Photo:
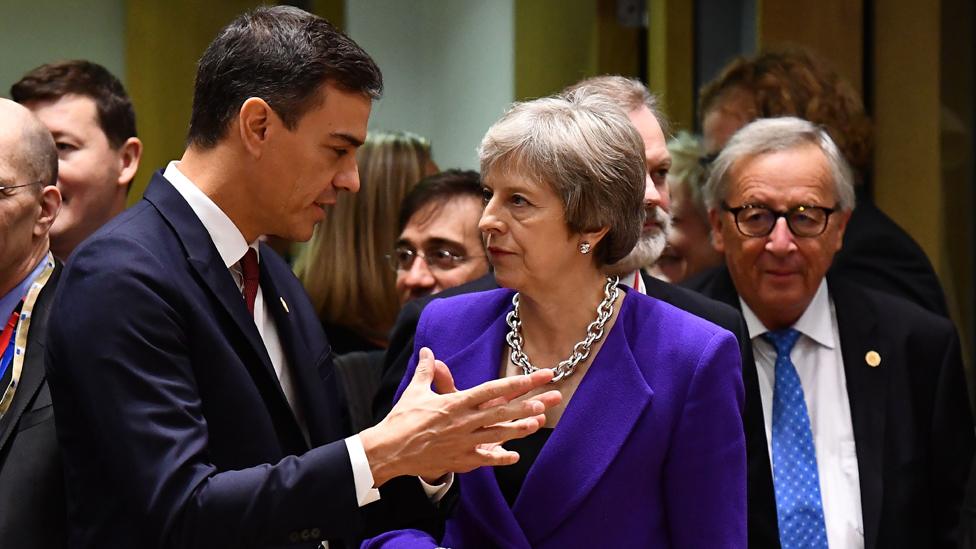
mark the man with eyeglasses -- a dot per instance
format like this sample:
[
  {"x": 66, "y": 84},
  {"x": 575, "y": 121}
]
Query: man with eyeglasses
[
  {"x": 32, "y": 505},
  {"x": 439, "y": 226},
  {"x": 863, "y": 394}
]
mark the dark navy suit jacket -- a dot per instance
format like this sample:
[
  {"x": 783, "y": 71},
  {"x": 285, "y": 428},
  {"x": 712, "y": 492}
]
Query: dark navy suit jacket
[
  {"x": 173, "y": 425},
  {"x": 650, "y": 451},
  {"x": 913, "y": 431}
]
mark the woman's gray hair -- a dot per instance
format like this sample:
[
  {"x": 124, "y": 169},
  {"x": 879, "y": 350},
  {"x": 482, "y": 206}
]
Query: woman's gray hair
[
  {"x": 768, "y": 135},
  {"x": 687, "y": 172},
  {"x": 587, "y": 150}
]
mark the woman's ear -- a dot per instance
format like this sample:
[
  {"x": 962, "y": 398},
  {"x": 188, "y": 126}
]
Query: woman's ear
[{"x": 593, "y": 237}]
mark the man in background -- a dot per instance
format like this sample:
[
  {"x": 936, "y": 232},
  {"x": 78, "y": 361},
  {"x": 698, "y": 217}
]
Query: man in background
[
  {"x": 439, "y": 246},
  {"x": 94, "y": 127},
  {"x": 877, "y": 253},
  {"x": 32, "y": 505},
  {"x": 863, "y": 394}
]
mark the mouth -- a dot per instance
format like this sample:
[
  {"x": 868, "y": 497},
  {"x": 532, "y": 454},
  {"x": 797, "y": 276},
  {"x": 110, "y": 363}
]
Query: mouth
[{"x": 497, "y": 252}]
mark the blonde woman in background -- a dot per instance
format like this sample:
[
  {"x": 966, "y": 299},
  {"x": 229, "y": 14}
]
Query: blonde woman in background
[
  {"x": 689, "y": 249},
  {"x": 345, "y": 274}
]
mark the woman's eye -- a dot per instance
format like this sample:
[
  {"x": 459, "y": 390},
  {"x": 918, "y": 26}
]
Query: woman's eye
[{"x": 519, "y": 200}]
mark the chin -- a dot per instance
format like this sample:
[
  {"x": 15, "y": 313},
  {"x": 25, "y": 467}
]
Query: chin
[{"x": 647, "y": 250}]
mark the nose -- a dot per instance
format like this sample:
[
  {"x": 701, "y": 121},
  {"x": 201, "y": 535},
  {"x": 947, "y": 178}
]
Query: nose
[
  {"x": 418, "y": 275},
  {"x": 780, "y": 241},
  {"x": 657, "y": 194},
  {"x": 489, "y": 221},
  {"x": 347, "y": 178}
]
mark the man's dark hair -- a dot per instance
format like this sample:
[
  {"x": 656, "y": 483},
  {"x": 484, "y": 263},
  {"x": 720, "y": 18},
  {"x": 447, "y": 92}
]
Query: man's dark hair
[
  {"x": 115, "y": 114},
  {"x": 441, "y": 187},
  {"x": 283, "y": 55}
]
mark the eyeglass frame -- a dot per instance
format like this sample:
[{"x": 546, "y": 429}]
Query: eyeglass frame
[
  {"x": 5, "y": 188},
  {"x": 777, "y": 214},
  {"x": 455, "y": 259}
]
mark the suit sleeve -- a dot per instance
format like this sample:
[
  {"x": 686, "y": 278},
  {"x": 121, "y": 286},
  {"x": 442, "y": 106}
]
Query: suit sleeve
[
  {"x": 953, "y": 443},
  {"x": 125, "y": 391},
  {"x": 705, "y": 472}
]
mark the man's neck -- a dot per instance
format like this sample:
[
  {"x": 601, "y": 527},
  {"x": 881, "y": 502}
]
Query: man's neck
[
  {"x": 13, "y": 277},
  {"x": 219, "y": 173}
]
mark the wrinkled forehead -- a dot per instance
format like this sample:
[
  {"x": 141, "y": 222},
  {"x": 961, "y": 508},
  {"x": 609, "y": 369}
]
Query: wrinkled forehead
[{"x": 800, "y": 167}]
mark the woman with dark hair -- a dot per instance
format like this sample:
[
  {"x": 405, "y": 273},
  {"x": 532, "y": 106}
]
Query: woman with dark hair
[{"x": 647, "y": 448}]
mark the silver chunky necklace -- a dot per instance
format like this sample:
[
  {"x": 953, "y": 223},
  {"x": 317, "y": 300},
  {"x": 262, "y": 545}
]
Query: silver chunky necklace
[{"x": 594, "y": 333}]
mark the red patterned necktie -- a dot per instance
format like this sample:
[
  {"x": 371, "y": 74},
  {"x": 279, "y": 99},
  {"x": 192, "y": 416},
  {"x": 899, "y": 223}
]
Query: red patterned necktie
[{"x": 249, "y": 270}]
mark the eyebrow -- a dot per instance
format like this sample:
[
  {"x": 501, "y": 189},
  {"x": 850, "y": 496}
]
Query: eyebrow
[{"x": 348, "y": 138}]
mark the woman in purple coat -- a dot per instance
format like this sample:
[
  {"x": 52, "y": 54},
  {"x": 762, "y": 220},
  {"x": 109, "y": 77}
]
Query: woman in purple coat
[{"x": 647, "y": 447}]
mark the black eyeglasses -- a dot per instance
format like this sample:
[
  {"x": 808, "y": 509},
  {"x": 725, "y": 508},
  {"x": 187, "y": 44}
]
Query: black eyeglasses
[
  {"x": 440, "y": 259},
  {"x": 758, "y": 220},
  {"x": 5, "y": 188}
]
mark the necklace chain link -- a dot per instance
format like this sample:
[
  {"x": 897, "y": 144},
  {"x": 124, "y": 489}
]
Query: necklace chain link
[{"x": 594, "y": 333}]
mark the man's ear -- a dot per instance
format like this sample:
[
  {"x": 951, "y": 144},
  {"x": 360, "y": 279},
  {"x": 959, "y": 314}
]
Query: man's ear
[
  {"x": 718, "y": 241},
  {"x": 842, "y": 218},
  {"x": 50, "y": 199},
  {"x": 253, "y": 122},
  {"x": 129, "y": 155}
]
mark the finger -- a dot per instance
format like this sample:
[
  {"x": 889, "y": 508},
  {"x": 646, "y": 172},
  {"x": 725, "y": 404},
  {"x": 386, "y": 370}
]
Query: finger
[
  {"x": 512, "y": 411},
  {"x": 424, "y": 373},
  {"x": 496, "y": 456},
  {"x": 549, "y": 399},
  {"x": 503, "y": 432},
  {"x": 443, "y": 380},
  {"x": 509, "y": 387}
]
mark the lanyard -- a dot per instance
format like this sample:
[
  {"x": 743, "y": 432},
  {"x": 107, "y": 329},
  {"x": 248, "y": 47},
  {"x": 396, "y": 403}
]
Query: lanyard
[{"x": 20, "y": 332}]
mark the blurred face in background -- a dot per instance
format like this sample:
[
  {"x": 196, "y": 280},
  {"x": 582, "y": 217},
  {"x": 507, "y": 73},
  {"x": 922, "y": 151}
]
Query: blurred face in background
[
  {"x": 689, "y": 249},
  {"x": 93, "y": 175},
  {"x": 446, "y": 234}
]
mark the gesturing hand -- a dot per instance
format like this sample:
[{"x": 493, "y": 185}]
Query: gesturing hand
[{"x": 429, "y": 434}]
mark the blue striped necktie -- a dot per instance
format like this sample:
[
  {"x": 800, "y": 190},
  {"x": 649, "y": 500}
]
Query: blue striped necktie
[{"x": 795, "y": 476}]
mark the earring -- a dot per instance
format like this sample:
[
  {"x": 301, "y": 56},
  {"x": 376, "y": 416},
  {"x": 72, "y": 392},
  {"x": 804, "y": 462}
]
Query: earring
[{"x": 584, "y": 248}]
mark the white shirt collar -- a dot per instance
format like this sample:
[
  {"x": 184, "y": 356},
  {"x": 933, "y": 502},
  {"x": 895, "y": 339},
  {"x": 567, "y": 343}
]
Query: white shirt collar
[
  {"x": 226, "y": 236},
  {"x": 634, "y": 280},
  {"x": 814, "y": 323}
]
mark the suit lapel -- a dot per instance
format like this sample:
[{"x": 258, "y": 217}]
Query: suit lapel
[
  {"x": 614, "y": 387},
  {"x": 202, "y": 255},
  {"x": 867, "y": 390},
  {"x": 477, "y": 363},
  {"x": 320, "y": 421},
  {"x": 33, "y": 374}
]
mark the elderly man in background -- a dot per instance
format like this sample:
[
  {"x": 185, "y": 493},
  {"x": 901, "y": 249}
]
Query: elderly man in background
[
  {"x": 32, "y": 506},
  {"x": 91, "y": 118},
  {"x": 877, "y": 252},
  {"x": 863, "y": 396}
]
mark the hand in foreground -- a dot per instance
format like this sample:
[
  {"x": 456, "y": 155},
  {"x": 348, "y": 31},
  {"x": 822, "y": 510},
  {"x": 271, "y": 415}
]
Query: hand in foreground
[{"x": 429, "y": 434}]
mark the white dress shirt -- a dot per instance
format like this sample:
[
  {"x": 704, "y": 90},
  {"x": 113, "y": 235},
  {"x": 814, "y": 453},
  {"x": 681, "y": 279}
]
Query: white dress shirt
[
  {"x": 231, "y": 246},
  {"x": 820, "y": 366}
]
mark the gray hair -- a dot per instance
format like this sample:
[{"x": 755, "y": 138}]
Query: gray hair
[
  {"x": 584, "y": 148},
  {"x": 687, "y": 171},
  {"x": 770, "y": 135},
  {"x": 628, "y": 93}
]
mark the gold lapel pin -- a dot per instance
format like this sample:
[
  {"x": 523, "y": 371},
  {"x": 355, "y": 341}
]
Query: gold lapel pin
[
  {"x": 285, "y": 305},
  {"x": 873, "y": 359}
]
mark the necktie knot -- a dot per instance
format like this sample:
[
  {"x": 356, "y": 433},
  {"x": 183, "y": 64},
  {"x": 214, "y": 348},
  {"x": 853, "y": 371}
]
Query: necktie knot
[
  {"x": 783, "y": 340},
  {"x": 250, "y": 273}
]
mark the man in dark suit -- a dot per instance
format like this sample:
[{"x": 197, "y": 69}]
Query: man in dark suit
[
  {"x": 194, "y": 395},
  {"x": 642, "y": 109},
  {"x": 32, "y": 510},
  {"x": 863, "y": 394},
  {"x": 877, "y": 253}
]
